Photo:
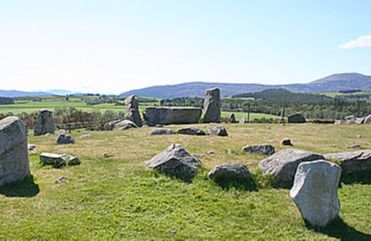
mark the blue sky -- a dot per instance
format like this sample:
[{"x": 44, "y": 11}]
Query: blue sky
[{"x": 113, "y": 46}]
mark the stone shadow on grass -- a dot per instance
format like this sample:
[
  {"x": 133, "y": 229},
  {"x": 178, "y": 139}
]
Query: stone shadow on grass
[
  {"x": 247, "y": 185},
  {"x": 362, "y": 177},
  {"x": 340, "y": 230},
  {"x": 25, "y": 188}
]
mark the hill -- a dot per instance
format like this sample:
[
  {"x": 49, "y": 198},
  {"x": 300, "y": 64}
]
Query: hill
[
  {"x": 17, "y": 93},
  {"x": 332, "y": 83}
]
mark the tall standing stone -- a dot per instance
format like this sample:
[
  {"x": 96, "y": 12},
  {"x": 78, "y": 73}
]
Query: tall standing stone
[
  {"x": 14, "y": 164},
  {"x": 212, "y": 106},
  {"x": 45, "y": 123},
  {"x": 315, "y": 192},
  {"x": 132, "y": 110}
]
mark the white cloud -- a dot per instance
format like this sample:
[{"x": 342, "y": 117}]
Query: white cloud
[{"x": 360, "y": 42}]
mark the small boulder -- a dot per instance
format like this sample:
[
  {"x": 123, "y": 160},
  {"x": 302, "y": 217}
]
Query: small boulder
[
  {"x": 60, "y": 180},
  {"x": 161, "y": 131},
  {"x": 31, "y": 147},
  {"x": 59, "y": 160},
  {"x": 352, "y": 161},
  {"x": 123, "y": 125},
  {"x": 259, "y": 149},
  {"x": 286, "y": 142},
  {"x": 315, "y": 192},
  {"x": 230, "y": 172},
  {"x": 296, "y": 118},
  {"x": 175, "y": 161},
  {"x": 218, "y": 131},
  {"x": 283, "y": 164},
  {"x": 64, "y": 139},
  {"x": 192, "y": 131}
]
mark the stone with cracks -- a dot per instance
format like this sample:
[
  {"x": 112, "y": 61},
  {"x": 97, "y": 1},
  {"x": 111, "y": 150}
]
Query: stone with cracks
[
  {"x": 259, "y": 149},
  {"x": 352, "y": 161},
  {"x": 14, "y": 163},
  {"x": 212, "y": 106},
  {"x": 132, "y": 110},
  {"x": 44, "y": 123},
  {"x": 315, "y": 192},
  {"x": 122, "y": 125},
  {"x": 175, "y": 161},
  {"x": 283, "y": 164},
  {"x": 59, "y": 160}
]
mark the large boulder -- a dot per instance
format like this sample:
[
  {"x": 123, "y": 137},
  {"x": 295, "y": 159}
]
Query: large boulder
[
  {"x": 132, "y": 110},
  {"x": 14, "y": 163},
  {"x": 218, "y": 131},
  {"x": 170, "y": 115},
  {"x": 64, "y": 139},
  {"x": 315, "y": 192},
  {"x": 296, "y": 118},
  {"x": 191, "y": 131},
  {"x": 44, "y": 123},
  {"x": 161, "y": 131},
  {"x": 352, "y": 161},
  {"x": 59, "y": 160},
  {"x": 212, "y": 106},
  {"x": 259, "y": 149},
  {"x": 175, "y": 161},
  {"x": 283, "y": 164},
  {"x": 230, "y": 172}
]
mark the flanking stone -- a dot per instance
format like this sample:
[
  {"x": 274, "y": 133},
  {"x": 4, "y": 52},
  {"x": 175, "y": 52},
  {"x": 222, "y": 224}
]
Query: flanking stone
[
  {"x": 283, "y": 164},
  {"x": 162, "y": 131},
  {"x": 212, "y": 106},
  {"x": 230, "y": 172},
  {"x": 218, "y": 131},
  {"x": 296, "y": 118},
  {"x": 132, "y": 110},
  {"x": 44, "y": 123},
  {"x": 191, "y": 131},
  {"x": 64, "y": 139},
  {"x": 175, "y": 161},
  {"x": 59, "y": 160},
  {"x": 171, "y": 115},
  {"x": 352, "y": 161},
  {"x": 14, "y": 163},
  {"x": 315, "y": 192},
  {"x": 259, "y": 149}
]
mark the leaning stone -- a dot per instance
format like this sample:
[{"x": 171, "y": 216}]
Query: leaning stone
[
  {"x": 191, "y": 131},
  {"x": 44, "y": 123},
  {"x": 14, "y": 163},
  {"x": 175, "y": 161},
  {"x": 230, "y": 172},
  {"x": 283, "y": 164},
  {"x": 64, "y": 139},
  {"x": 218, "y": 131},
  {"x": 161, "y": 131},
  {"x": 212, "y": 106},
  {"x": 59, "y": 160},
  {"x": 315, "y": 192},
  {"x": 259, "y": 149},
  {"x": 352, "y": 161}
]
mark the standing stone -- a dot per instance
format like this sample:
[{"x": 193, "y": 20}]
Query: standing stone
[
  {"x": 296, "y": 118},
  {"x": 212, "y": 106},
  {"x": 45, "y": 123},
  {"x": 315, "y": 192},
  {"x": 14, "y": 164},
  {"x": 232, "y": 119},
  {"x": 132, "y": 110}
]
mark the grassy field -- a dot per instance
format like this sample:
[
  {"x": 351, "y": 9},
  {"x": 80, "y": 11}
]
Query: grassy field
[{"x": 116, "y": 198}]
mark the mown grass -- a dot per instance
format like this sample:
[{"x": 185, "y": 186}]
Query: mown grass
[{"x": 116, "y": 198}]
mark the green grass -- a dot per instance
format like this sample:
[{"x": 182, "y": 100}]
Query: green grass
[{"x": 118, "y": 199}]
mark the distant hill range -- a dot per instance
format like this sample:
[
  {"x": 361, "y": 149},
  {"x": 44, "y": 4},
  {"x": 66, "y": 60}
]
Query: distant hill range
[
  {"x": 332, "y": 83},
  {"x": 18, "y": 93}
]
